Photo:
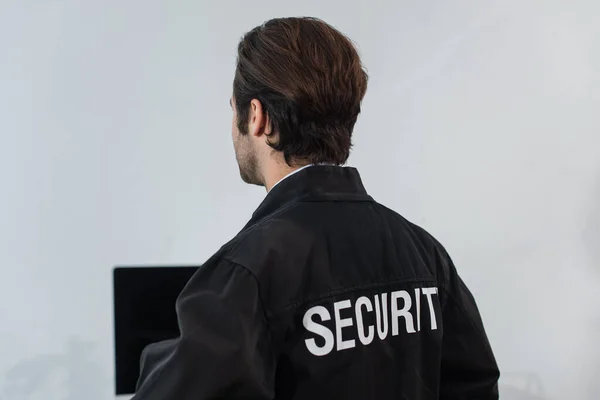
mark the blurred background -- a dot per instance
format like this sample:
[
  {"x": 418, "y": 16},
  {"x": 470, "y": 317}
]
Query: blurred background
[{"x": 480, "y": 124}]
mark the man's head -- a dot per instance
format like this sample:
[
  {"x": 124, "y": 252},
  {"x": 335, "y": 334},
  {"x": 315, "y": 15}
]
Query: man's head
[{"x": 297, "y": 92}]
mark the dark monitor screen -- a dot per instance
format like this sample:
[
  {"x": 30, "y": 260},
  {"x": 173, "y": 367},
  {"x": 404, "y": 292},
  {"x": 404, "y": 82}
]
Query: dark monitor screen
[{"x": 144, "y": 309}]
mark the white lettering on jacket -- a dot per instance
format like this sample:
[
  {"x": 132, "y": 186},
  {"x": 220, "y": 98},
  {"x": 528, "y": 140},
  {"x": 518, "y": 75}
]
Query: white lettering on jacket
[{"x": 349, "y": 320}]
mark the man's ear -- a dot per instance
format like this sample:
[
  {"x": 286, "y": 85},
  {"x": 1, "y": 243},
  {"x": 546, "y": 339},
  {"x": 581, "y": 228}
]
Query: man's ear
[{"x": 259, "y": 122}]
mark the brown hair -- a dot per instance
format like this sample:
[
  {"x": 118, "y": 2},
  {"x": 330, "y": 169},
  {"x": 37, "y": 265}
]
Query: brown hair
[{"x": 310, "y": 82}]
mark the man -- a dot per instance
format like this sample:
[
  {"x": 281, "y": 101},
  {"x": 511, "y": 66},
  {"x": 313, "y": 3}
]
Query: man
[{"x": 324, "y": 294}]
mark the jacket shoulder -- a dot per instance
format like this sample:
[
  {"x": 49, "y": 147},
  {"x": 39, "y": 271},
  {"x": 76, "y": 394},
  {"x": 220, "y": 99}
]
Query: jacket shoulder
[{"x": 270, "y": 239}]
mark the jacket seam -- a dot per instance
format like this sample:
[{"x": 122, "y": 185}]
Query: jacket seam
[
  {"x": 260, "y": 298},
  {"x": 262, "y": 221},
  {"x": 345, "y": 290}
]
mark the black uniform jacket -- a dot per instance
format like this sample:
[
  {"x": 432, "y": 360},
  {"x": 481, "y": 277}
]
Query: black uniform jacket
[{"x": 324, "y": 294}]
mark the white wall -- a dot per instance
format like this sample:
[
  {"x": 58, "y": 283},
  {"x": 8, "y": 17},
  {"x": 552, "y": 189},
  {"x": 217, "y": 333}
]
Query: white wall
[{"x": 115, "y": 149}]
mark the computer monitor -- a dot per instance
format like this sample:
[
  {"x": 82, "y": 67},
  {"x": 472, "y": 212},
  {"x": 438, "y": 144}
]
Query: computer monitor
[{"x": 144, "y": 313}]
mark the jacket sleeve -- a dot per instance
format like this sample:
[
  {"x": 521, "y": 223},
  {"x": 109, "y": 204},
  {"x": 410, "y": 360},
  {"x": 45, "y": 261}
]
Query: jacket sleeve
[
  {"x": 224, "y": 350},
  {"x": 468, "y": 366}
]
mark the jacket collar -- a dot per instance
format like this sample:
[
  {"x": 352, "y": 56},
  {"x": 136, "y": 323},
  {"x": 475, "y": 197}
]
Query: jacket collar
[{"x": 317, "y": 183}]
